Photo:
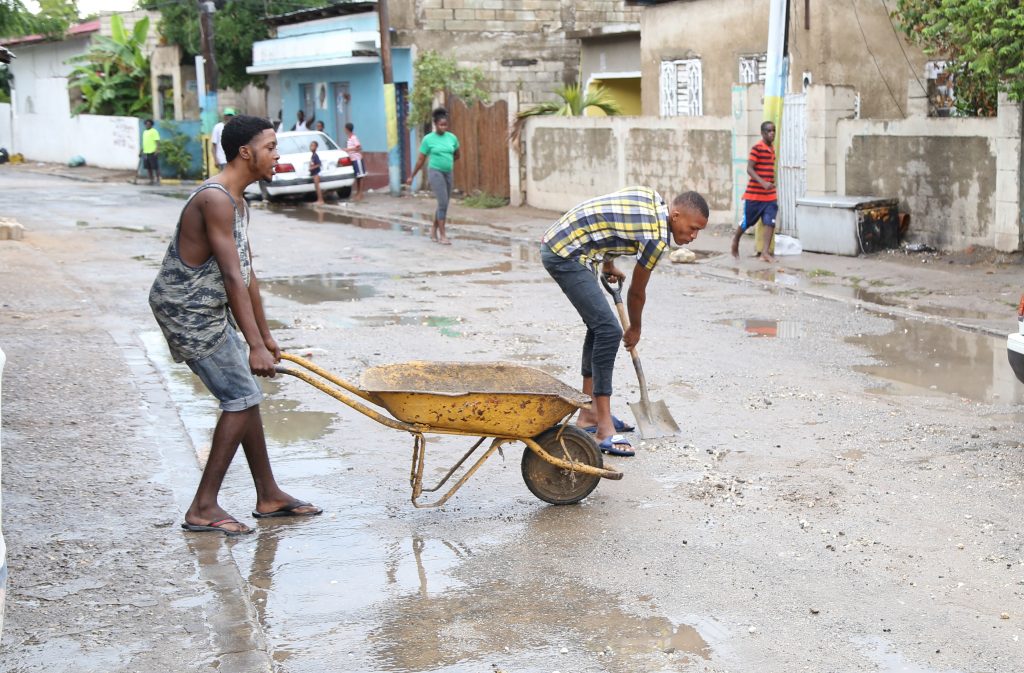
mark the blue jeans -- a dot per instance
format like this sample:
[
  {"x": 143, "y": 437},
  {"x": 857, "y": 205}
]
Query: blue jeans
[
  {"x": 226, "y": 374},
  {"x": 604, "y": 334}
]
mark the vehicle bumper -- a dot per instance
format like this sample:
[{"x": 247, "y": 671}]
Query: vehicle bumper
[{"x": 306, "y": 186}]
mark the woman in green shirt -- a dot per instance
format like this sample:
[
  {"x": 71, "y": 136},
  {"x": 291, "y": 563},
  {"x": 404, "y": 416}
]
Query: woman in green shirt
[{"x": 443, "y": 149}]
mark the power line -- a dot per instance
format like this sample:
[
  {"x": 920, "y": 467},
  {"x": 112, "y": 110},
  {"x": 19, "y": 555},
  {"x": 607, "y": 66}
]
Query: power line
[
  {"x": 853, "y": 3},
  {"x": 899, "y": 41}
]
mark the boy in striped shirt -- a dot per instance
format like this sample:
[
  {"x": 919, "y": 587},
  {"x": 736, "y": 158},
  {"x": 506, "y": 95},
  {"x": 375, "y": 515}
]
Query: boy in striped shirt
[
  {"x": 634, "y": 221},
  {"x": 760, "y": 199}
]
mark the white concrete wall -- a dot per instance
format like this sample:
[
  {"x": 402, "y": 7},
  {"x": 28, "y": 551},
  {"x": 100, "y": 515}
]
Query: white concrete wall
[
  {"x": 107, "y": 142},
  {"x": 41, "y": 126},
  {"x": 5, "y": 126}
]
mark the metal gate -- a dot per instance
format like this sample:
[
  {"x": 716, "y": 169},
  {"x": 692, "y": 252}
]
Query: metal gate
[
  {"x": 792, "y": 161},
  {"x": 483, "y": 146}
]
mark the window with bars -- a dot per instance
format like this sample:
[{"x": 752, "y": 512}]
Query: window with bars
[
  {"x": 753, "y": 68},
  {"x": 682, "y": 84}
]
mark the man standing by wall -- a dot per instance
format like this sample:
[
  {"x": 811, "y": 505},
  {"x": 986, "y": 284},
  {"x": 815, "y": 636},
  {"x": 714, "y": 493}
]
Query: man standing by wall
[
  {"x": 218, "y": 146},
  {"x": 761, "y": 202},
  {"x": 151, "y": 152}
]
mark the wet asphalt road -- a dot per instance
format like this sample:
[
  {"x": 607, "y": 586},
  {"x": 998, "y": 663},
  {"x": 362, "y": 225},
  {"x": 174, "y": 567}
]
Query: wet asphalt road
[{"x": 845, "y": 494}]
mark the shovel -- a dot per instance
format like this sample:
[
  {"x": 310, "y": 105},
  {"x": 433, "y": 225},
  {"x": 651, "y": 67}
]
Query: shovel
[{"x": 653, "y": 419}]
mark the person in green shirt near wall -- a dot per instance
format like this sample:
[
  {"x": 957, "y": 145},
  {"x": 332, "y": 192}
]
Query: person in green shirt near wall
[
  {"x": 151, "y": 152},
  {"x": 443, "y": 149}
]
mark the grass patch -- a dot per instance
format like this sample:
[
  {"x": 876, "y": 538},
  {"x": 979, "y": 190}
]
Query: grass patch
[
  {"x": 819, "y": 273},
  {"x": 484, "y": 200}
]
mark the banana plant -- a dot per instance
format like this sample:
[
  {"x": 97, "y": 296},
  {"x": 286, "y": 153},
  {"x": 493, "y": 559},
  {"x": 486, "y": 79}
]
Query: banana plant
[
  {"x": 113, "y": 76},
  {"x": 572, "y": 101}
]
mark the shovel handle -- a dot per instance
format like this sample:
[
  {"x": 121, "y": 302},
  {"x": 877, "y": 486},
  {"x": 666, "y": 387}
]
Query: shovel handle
[{"x": 614, "y": 287}]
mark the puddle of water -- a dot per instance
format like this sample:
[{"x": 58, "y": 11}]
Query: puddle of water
[
  {"x": 407, "y": 319},
  {"x": 919, "y": 357},
  {"x": 283, "y": 422},
  {"x": 785, "y": 329},
  {"x": 775, "y": 275},
  {"x": 472, "y": 626},
  {"x": 429, "y": 219},
  {"x": 501, "y": 267},
  {"x": 893, "y": 299},
  {"x": 317, "y": 289}
]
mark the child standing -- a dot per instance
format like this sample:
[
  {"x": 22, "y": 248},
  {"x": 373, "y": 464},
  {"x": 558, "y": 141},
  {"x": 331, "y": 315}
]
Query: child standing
[
  {"x": 314, "y": 171},
  {"x": 355, "y": 153}
]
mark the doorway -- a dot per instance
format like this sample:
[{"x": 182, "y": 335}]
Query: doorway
[{"x": 342, "y": 100}]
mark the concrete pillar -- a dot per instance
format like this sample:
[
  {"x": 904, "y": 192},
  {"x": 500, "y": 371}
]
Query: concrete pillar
[{"x": 1007, "y": 231}]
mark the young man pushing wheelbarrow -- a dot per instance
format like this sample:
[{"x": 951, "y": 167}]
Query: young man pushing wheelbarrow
[{"x": 634, "y": 221}]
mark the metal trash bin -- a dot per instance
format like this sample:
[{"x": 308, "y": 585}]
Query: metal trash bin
[{"x": 847, "y": 225}]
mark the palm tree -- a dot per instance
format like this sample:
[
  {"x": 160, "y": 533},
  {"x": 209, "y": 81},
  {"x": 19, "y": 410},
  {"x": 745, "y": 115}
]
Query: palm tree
[{"x": 572, "y": 101}]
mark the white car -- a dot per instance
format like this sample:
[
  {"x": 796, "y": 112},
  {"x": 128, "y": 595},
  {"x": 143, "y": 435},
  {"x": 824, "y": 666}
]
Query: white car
[{"x": 291, "y": 175}]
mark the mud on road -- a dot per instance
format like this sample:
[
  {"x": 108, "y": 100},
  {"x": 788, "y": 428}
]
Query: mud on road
[{"x": 845, "y": 495}]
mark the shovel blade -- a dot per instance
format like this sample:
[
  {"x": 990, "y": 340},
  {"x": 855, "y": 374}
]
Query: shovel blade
[{"x": 654, "y": 419}]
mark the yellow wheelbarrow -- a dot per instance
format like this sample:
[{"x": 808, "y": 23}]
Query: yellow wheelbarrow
[{"x": 501, "y": 401}]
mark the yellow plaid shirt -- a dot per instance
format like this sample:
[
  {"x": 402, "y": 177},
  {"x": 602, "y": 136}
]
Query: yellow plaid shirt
[{"x": 631, "y": 221}]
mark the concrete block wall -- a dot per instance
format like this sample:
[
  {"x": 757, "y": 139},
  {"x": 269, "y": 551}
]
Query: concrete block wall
[
  {"x": 571, "y": 159},
  {"x": 1009, "y": 222},
  {"x": 945, "y": 172},
  {"x": 826, "y": 106},
  {"x": 520, "y": 45}
]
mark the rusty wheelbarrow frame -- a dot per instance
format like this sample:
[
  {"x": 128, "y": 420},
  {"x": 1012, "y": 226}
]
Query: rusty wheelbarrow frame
[{"x": 540, "y": 421}]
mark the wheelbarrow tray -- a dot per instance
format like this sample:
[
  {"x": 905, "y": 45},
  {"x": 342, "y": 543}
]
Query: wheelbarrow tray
[{"x": 492, "y": 399}]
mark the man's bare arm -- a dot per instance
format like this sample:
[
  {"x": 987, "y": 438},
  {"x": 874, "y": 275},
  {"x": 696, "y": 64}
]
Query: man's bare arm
[
  {"x": 219, "y": 217},
  {"x": 636, "y": 297}
]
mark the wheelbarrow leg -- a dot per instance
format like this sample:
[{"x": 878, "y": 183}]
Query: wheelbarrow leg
[{"x": 419, "y": 458}]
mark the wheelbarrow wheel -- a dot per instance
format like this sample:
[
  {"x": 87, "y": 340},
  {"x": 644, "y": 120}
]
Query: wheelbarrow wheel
[{"x": 553, "y": 484}]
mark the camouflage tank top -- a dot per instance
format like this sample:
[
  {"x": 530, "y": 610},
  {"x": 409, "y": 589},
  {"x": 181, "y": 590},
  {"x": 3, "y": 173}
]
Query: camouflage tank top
[{"x": 190, "y": 303}]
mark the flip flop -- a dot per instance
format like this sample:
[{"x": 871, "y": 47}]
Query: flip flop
[
  {"x": 611, "y": 445},
  {"x": 617, "y": 423},
  {"x": 288, "y": 510},
  {"x": 217, "y": 527}
]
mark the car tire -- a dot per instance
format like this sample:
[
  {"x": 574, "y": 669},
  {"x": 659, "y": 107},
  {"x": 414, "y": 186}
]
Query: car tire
[{"x": 344, "y": 192}]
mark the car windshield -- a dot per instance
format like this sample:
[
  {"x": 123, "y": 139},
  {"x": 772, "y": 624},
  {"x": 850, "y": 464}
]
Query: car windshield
[{"x": 300, "y": 143}]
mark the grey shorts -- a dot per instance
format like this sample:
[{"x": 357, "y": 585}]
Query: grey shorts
[{"x": 225, "y": 373}]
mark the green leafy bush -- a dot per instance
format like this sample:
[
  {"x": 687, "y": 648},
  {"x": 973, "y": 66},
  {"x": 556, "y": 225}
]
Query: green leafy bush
[
  {"x": 981, "y": 39},
  {"x": 174, "y": 150},
  {"x": 433, "y": 74}
]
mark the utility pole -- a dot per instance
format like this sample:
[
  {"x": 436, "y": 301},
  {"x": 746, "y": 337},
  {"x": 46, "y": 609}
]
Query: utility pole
[
  {"x": 390, "y": 100},
  {"x": 208, "y": 100},
  {"x": 776, "y": 73}
]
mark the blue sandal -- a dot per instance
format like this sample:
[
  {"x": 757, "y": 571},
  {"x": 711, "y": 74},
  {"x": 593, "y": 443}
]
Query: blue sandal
[
  {"x": 617, "y": 423},
  {"x": 612, "y": 446}
]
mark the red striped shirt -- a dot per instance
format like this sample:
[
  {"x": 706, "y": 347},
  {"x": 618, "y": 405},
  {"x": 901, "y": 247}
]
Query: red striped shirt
[{"x": 763, "y": 156}]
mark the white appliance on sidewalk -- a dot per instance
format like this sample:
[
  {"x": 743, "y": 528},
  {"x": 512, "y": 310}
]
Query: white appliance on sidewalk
[{"x": 847, "y": 225}]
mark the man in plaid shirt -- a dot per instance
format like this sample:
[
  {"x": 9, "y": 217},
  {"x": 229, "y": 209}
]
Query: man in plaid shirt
[{"x": 634, "y": 221}]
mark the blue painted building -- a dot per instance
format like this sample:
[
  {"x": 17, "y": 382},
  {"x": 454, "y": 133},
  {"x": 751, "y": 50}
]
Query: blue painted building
[{"x": 326, "y": 62}]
